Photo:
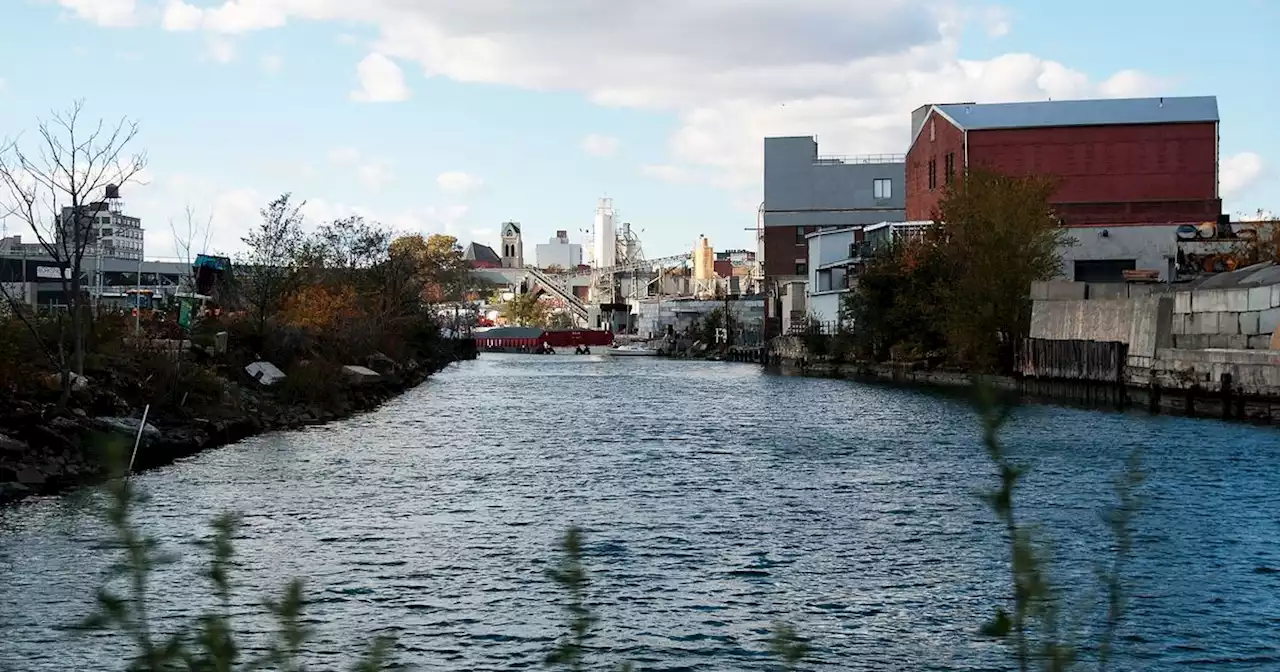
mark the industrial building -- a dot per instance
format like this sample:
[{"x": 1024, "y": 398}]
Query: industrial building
[
  {"x": 107, "y": 231},
  {"x": 1130, "y": 171},
  {"x": 558, "y": 253},
  {"x": 30, "y": 275},
  {"x": 806, "y": 192}
]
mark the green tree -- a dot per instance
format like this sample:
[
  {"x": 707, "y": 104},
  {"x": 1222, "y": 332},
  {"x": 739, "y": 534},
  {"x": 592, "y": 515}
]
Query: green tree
[
  {"x": 995, "y": 235},
  {"x": 525, "y": 310},
  {"x": 438, "y": 265},
  {"x": 963, "y": 286},
  {"x": 895, "y": 307},
  {"x": 560, "y": 319},
  {"x": 347, "y": 248},
  {"x": 269, "y": 271}
]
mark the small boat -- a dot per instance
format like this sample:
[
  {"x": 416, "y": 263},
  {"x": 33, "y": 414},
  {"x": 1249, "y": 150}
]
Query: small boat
[{"x": 630, "y": 351}]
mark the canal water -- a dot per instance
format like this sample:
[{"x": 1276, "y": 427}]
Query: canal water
[{"x": 716, "y": 499}]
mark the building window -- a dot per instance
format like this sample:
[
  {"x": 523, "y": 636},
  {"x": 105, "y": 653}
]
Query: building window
[
  {"x": 824, "y": 280},
  {"x": 950, "y": 166},
  {"x": 802, "y": 268},
  {"x": 882, "y": 188},
  {"x": 800, "y": 239},
  {"x": 933, "y": 173}
]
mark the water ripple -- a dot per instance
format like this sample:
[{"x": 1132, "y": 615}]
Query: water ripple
[{"x": 716, "y": 500}]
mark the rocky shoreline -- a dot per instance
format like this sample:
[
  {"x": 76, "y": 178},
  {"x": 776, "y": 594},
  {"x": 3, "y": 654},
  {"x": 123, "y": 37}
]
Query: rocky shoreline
[{"x": 47, "y": 449}]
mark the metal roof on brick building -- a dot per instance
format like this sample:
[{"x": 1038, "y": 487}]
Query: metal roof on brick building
[{"x": 1101, "y": 112}]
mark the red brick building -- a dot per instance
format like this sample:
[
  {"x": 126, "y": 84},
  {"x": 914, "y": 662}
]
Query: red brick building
[{"x": 1118, "y": 161}]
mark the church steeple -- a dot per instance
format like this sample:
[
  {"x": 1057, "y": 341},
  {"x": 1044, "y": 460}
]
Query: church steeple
[{"x": 512, "y": 246}]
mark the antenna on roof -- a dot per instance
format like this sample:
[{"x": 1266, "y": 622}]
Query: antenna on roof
[{"x": 1161, "y": 101}]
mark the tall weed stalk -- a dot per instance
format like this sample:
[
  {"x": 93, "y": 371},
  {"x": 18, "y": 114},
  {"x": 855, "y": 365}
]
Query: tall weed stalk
[
  {"x": 1033, "y": 623},
  {"x": 210, "y": 642}
]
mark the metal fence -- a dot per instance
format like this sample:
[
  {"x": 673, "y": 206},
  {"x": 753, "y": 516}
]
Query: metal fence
[
  {"x": 1098, "y": 361},
  {"x": 825, "y": 328}
]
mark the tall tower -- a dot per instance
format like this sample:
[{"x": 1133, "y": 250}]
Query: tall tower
[
  {"x": 604, "y": 239},
  {"x": 512, "y": 246}
]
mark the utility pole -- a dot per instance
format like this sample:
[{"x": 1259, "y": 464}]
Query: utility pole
[{"x": 137, "y": 300}]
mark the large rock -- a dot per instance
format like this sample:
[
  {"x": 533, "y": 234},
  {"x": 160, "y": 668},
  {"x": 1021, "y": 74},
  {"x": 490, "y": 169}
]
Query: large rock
[
  {"x": 360, "y": 375},
  {"x": 128, "y": 427},
  {"x": 382, "y": 363},
  {"x": 9, "y": 445},
  {"x": 30, "y": 476}
]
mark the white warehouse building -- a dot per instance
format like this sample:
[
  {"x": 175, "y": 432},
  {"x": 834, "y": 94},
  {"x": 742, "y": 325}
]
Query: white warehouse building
[{"x": 559, "y": 252}]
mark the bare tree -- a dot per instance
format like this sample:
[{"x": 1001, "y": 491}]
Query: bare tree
[
  {"x": 190, "y": 241},
  {"x": 57, "y": 188}
]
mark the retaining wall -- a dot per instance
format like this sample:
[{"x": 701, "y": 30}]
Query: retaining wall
[
  {"x": 1241, "y": 318},
  {"x": 1250, "y": 372},
  {"x": 1142, "y": 323}
]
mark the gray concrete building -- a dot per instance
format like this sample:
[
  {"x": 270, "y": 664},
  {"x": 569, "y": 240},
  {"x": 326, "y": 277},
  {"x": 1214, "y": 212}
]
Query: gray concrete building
[
  {"x": 1102, "y": 254},
  {"x": 805, "y": 192}
]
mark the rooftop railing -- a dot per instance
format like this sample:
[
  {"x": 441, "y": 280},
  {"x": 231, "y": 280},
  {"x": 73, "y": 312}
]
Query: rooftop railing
[{"x": 865, "y": 159}]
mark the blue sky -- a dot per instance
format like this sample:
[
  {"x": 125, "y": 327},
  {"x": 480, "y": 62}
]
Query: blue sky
[{"x": 438, "y": 115}]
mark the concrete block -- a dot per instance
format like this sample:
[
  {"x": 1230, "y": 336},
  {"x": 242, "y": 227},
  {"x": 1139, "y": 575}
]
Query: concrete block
[
  {"x": 1040, "y": 291},
  {"x": 1269, "y": 321},
  {"x": 1207, "y": 301},
  {"x": 360, "y": 374},
  {"x": 1275, "y": 296},
  {"x": 1249, "y": 323},
  {"x": 1229, "y": 323},
  {"x": 1259, "y": 298},
  {"x": 1229, "y": 341},
  {"x": 1065, "y": 290},
  {"x": 1182, "y": 302},
  {"x": 1237, "y": 300},
  {"x": 1262, "y": 342},
  {"x": 1190, "y": 341},
  {"x": 1178, "y": 325},
  {"x": 1137, "y": 290},
  {"x": 1202, "y": 323},
  {"x": 265, "y": 373},
  {"x": 1108, "y": 290}
]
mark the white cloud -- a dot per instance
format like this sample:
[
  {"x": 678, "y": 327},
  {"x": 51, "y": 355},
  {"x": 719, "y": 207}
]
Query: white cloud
[
  {"x": 458, "y": 182},
  {"x": 272, "y": 63},
  {"x": 111, "y": 13},
  {"x": 849, "y": 72},
  {"x": 372, "y": 172},
  {"x": 1238, "y": 172},
  {"x": 221, "y": 49},
  {"x": 600, "y": 145},
  {"x": 381, "y": 80},
  {"x": 997, "y": 21},
  {"x": 180, "y": 16}
]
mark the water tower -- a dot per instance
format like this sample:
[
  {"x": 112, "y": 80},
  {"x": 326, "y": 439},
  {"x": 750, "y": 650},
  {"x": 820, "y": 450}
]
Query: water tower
[{"x": 112, "y": 197}]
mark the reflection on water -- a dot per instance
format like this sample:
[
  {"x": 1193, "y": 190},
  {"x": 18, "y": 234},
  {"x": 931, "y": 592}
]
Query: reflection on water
[{"x": 716, "y": 499}]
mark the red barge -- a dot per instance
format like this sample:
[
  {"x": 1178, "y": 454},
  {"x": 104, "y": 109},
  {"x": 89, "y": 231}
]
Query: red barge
[{"x": 535, "y": 340}]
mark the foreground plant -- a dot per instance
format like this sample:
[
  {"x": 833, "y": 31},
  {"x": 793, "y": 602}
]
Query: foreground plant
[
  {"x": 210, "y": 643},
  {"x": 1035, "y": 627}
]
